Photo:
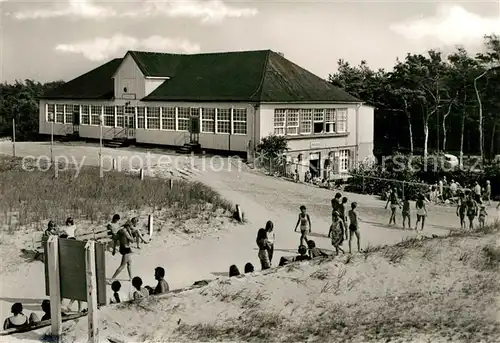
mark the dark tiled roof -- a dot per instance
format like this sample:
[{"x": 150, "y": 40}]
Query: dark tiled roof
[
  {"x": 234, "y": 76},
  {"x": 96, "y": 84},
  {"x": 255, "y": 76}
]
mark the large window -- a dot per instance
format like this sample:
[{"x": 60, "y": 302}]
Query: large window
[
  {"x": 223, "y": 120},
  {"x": 119, "y": 116},
  {"x": 109, "y": 116},
  {"x": 330, "y": 121},
  {"x": 168, "y": 118},
  {"x": 68, "y": 114},
  {"x": 240, "y": 121},
  {"x": 85, "y": 120},
  {"x": 305, "y": 121},
  {"x": 95, "y": 115},
  {"x": 279, "y": 121},
  {"x": 153, "y": 116},
  {"x": 341, "y": 120},
  {"x": 51, "y": 112},
  {"x": 208, "y": 120},
  {"x": 292, "y": 122},
  {"x": 140, "y": 117},
  {"x": 318, "y": 120},
  {"x": 183, "y": 115},
  {"x": 344, "y": 160},
  {"x": 60, "y": 114}
]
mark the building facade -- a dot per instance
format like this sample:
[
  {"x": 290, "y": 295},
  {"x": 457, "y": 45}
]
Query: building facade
[{"x": 236, "y": 99}]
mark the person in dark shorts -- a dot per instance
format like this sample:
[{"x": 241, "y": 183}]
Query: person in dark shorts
[
  {"x": 472, "y": 210},
  {"x": 353, "y": 226},
  {"x": 406, "y": 213},
  {"x": 123, "y": 237},
  {"x": 461, "y": 209},
  {"x": 421, "y": 211},
  {"x": 342, "y": 214},
  {"x": 305, "y": 224},
  {"x": 263, "y": 246}
]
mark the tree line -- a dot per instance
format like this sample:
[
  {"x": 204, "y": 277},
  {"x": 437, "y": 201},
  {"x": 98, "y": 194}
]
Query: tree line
[
  {"x": 19, "y": 101},
  {"x": 431, "y": 102}
]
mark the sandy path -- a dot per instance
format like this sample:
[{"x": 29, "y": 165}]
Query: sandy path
[{"x": 261, "y": 197}]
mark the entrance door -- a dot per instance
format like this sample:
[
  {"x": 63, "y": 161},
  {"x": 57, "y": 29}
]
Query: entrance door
[
  {"x": 130, "y": 126},
  {"x": 129, "y": 122},
  {"x": 194, "y": 126},
  {"x": 315, "y": 164}
]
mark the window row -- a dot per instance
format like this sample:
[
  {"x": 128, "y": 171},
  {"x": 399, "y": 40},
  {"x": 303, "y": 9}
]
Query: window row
[
  {"x": 310, "y": 121},
  {"x": 212, "y": 120}
]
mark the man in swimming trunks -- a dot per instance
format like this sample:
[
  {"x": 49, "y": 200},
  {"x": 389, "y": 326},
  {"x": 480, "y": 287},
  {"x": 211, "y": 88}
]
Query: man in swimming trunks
[
  {"x": 124, "y": 238},
  {"x": 353, "y": 226}
]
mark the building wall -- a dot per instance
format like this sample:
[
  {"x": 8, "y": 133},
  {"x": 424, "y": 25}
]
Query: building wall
[
  {"x": 151, "y": 85},
  {"x": 358, "y": 139},
  {"x": 366, "y": 132},
  {"x": 86, "y": 131},
  {"x": 216, "y": 141},
  {"x": 130, "y": 76}
]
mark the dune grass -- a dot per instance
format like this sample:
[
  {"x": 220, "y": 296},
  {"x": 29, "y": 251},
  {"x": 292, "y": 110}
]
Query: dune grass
[
  {"x": 33, "y": 197},
  {"x": 453, "y": 301}
]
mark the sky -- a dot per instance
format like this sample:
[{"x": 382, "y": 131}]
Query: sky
[{"x": 60, "y": 40}]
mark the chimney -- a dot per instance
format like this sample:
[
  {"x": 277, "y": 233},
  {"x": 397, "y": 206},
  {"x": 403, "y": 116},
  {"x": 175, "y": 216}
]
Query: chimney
[{"x": 281, "y": 54}]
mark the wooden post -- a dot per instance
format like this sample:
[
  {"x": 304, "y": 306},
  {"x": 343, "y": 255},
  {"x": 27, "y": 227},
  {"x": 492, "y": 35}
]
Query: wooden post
[
  {"x": 114, "y": 164},
  {"x": 403, "y": 190},
  {"x": 91, "y": 291},
  {"x": 13, "y": 137},
  {"x": 142, "y": 174},
  {"x": 171, "y": 183},
  {"x": 150, "y": 225},
  {"x": 54, "y": 286},
  {"x": 363, "y": 184}
]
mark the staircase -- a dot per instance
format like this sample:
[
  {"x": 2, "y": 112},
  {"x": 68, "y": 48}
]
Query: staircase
[
  {"x": 117, "y": 143},
  {"x": 188, "y": 148}
]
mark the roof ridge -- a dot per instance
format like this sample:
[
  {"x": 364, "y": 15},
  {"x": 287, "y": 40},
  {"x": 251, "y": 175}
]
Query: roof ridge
[
  {"x": 263, "y": 76},
  {"x": 197, "y": 54}
]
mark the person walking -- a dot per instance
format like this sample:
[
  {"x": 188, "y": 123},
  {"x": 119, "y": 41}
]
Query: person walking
[
  {"x": 263, "y": 245},
  {"x": 305, "y": 224},
  {"x": 421, "y": 211},
  {"x": 271, "y": 237},
  {"x": 337, "y": 233},
  {"x": 394, "y": 202}
]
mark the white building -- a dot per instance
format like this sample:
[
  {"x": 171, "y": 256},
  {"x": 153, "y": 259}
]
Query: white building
[{"x": 235, "y": 98}]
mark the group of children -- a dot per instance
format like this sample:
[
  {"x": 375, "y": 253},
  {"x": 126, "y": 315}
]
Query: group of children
[
  {"x": 139, "y": 291},
  {"x": 394, "y": 203}
]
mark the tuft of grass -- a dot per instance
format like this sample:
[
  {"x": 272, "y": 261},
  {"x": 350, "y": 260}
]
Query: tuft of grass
[
  {"x": 370, "y": 249},
  {"x": 491, "y": 256},
  {"x": 320, "y": 274},
  {"x": 410, "y": 242},
  {"x": 37, "y": 196},
  {"x": 395, "y": 254},
  {"x": 254, "y": 325}
]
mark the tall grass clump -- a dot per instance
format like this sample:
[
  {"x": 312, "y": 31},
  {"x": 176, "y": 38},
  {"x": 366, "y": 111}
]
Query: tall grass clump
[{"x": 34, "y": 196}]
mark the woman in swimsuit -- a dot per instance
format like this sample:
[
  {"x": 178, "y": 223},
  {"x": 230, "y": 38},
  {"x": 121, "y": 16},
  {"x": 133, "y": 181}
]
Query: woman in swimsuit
[
  {"x": 264, "y": 246},
  {"x": 69, "y": 230},
  {"x": 421, "y": 211},
  {"x": 305, "y": 223},
  {"x": 271, "y": 237},
  {"x": 18, "y": 319},
  {"x": 471, "y": 210},
  {"x": 394, "y": 201}
]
